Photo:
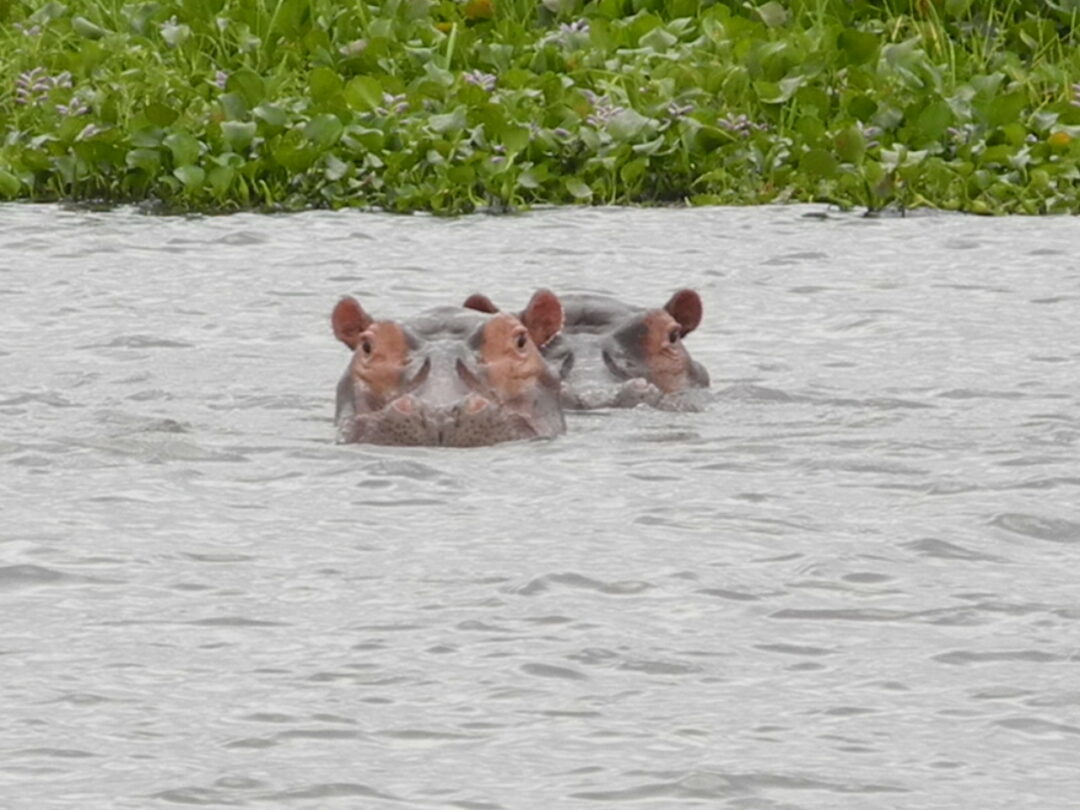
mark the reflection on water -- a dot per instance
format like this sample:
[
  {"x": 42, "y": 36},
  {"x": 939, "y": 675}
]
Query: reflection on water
[{"x": 850, "y": 581}]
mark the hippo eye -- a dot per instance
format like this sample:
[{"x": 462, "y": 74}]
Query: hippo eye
[
  {"x": 365, "y": 346},
  {"x": 673, "y": 335},
  {"x": 521, "y": 341}
]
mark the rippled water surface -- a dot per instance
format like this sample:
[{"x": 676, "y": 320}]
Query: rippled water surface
[{"x": 853, "y": 581}]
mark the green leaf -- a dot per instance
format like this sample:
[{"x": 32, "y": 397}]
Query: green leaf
[
  {"x": 934, "y": 120},
  {"x": 658, "y": 40},
  {"x": 159, "y": 114},
  {"x": 248, "y": 84},
  {"x": 220, "y": 178},
  {"x": 818, "y": 163},
  {"x": 859, "y": 46},
  {"x": 772, "y": 93},
  {"x": 238, "y": 134},
  {"x": 149, "y": 160},
  {"x": 626, "y": 124},
  {"x": 325, "y": 83},
  {"x": 773, "y": 14},
  {"x": 514, "y": 138},
  {"x": 273, "y": 115},
  {"x": 850, "y": 144},
  {"x": 184, "y": 147},
  {"x": 364, "y": 93},
  {"x": 448, "y": 122},
  {"x": 234, "y": 106},
  {"x": 9, "y": 184},
  {"x": 1005, "y": 108},
  {"x": 324, "y": 130},
  {"x": 578, "y": 189},
  {"x": 191, "y": 176},
  {"x": 336, "y": 168},
  {"x": 633, "y": 170},
  {"x": 84, "y": 28},
  {"x": 862, "y": 107}
]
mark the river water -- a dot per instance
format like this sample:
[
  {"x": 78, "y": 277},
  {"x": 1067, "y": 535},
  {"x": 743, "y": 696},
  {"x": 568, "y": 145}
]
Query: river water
[{"x": 852, "y": 581}]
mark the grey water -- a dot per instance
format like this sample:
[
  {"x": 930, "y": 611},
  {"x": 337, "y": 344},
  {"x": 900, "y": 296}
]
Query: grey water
[{"x": 852, "y": 581}]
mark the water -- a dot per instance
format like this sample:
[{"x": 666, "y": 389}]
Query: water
[{"x": 850, "y": 582}]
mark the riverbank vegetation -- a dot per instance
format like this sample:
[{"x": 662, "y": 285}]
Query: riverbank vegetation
[{"x": 456, "y": 105}]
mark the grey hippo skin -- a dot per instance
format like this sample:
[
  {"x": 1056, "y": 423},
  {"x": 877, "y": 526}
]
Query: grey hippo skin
[
  {"x": 613, "y": 354},
  {"x": 450, "y": 376}
]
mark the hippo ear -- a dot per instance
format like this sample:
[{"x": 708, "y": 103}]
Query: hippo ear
[
  {"x": 481, "y": 303},
  {"x": 543, "y": 317},
  {"x": 349, "y": 321},
  {"x": 685, "y": 307}
]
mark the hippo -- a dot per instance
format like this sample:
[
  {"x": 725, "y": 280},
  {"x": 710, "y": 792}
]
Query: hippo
[
  {"x": 450, "y": 376},
  {"x": 613, "y": 354}
]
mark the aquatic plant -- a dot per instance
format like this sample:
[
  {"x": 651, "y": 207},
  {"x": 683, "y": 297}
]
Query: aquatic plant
[{"x": 454, "y": 105}]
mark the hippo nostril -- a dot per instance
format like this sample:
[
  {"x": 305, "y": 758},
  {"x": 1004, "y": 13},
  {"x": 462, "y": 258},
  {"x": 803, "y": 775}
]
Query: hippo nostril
[
  {"x": 474, "y": 404},
  {"x": 405, "y": 404}
]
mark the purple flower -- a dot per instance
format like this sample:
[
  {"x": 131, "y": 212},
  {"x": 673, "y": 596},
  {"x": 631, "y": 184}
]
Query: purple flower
[
  {"x": 676, "y": 110},
  {"x": 75, "y": 107},
  {"x": 33, "y": 85},
  {"x": 89, "y": 131},
  {"x": 221, "y": 78},
  {"x": 741, "y": 125},
  {"x": 483, "y": 80},
  {"x": 604, "y": 109},
  {"x": 395, "y": 105}
]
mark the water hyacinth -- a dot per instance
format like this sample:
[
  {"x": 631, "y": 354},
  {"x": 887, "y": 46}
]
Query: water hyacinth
[
  {"x": 603, "y": 110},
  {"x": 741, "y": 125},
  {"x": 480, "y": 79},
  {"x": 393, "y": 104},
  {"x": 449, "y": 106},
  {"x": 34, "y": 85}
]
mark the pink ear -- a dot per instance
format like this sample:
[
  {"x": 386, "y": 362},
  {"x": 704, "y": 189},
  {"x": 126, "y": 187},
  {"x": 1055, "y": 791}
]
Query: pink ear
[
  {"x": 349, "y": 321},
  {"x": 481, "y": 303},
  {"x": 685, "y": 307},
  {"x": 543, "y": 317}
]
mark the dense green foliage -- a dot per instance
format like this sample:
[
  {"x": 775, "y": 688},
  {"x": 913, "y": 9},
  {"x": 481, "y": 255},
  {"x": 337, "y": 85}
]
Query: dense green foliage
[{"x": 452, "y": 105}]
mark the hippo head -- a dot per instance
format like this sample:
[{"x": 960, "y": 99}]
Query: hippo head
[
  {"x": 611, "y": 354},
  {"x": 649, "y": 345},
  {"x": 450, "y": 377}
]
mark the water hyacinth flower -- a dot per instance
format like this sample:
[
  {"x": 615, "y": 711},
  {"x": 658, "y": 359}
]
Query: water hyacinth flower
[
  {"x": 741, "y": 125},
  {"x": 89, "y": 131},
  {"x": 76, "y": 106},
  {"x": 961, "y": 134},
  {"x": 393, "y": 104},
  {"x": 677, "y": 110},
  {"x": 604, "y": 109},
  {"x": 175, "y": 33},
  {"x": 34, "y": 85},
  {"x": 27, "y": 31},
  {"x": 572, "y": 35},
  {"x": 354, "y": 48},
  {"x": 221, "y": 78},
  {"x": 485, "y": 81},
  {"x": 1075, "y": 95}
]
